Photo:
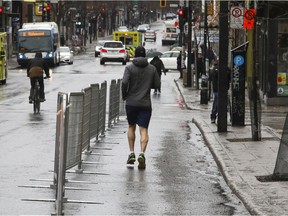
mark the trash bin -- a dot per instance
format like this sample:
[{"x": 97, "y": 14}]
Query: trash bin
[{"x": 204, "y": 90}]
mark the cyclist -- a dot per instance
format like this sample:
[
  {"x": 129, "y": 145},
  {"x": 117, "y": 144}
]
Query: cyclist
[{"x": 35, "y": 72}]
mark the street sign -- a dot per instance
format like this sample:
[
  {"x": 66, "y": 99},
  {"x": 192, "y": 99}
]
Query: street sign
[
  {"x": 173, "y": 5},
  {"x": 238, "y": 88},
  {"x": 236, "y": 17},
  {"x": 249, "y": 17}
]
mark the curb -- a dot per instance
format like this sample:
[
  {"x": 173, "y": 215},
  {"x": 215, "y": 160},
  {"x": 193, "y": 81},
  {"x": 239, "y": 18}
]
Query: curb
[
  {"x": 219, "y": 152},
  {"x": 215, "y": 149}
]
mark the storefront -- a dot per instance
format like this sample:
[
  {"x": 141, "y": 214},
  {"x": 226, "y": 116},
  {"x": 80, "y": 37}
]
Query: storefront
[{"x": 272, "y": 55}]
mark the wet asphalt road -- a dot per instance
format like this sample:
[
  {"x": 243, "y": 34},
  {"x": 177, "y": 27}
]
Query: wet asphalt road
[{"x": 181, "y": 175}]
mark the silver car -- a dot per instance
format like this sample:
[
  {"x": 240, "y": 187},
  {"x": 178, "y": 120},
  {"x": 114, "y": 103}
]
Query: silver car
[
  {"x": 113, "y": 51},
  {"x": 66, "y": 55}
]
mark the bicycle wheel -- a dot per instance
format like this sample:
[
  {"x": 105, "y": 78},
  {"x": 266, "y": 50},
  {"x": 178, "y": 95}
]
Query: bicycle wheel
[
  {"x": 36, "y": 99},
  {"x": 36, "y": 106}
]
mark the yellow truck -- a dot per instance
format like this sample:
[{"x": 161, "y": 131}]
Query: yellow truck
[
  {"x": 131, "y": 40},
  {"x": 3, "y": 57}
]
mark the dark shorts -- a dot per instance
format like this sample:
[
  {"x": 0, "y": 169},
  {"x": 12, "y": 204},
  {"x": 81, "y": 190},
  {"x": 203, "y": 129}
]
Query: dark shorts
[{"x": 138, "y": 115}]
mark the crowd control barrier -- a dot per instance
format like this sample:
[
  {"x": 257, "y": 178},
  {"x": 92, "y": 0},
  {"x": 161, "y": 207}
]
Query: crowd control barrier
[{"x": 81, "y": 116}]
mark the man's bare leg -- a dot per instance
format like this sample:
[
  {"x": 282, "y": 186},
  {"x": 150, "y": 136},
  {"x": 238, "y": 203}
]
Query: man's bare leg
[
  {"x": 131, "y": 141},
  {"x": 144, "y": 138},
  {"x": 131, "y": 137},
  {"x": 143, "y": 142}
]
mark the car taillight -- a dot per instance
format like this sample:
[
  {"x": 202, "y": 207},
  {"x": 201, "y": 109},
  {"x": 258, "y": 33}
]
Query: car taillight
[
  {"x": 122, "y": 51},
  {"x": 103, "y": 50}
]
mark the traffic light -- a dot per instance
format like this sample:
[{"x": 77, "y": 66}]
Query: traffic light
[
  {"x": 103, "y": 10},
  {"x": 78, "y": 24},
  {"x": 6, "y": 6},
  {"x": 43, "y": 13},
  {"x": 182, "y": 17},
  {"x": 162, "y": 3},
  {"x": 48, "y": 9},
  {"x": 1, "y": 10}
]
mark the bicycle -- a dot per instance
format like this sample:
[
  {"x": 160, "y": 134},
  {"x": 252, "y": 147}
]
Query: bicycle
[{"x": 36, "y": 97}]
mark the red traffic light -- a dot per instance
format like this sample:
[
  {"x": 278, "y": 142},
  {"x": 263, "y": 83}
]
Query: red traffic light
[
  {"x": 103, "y": 9},
  {"x": 1, "y": 9},
  {"x": 181, "y": 12},
  {"x": 48, "y": 7}
]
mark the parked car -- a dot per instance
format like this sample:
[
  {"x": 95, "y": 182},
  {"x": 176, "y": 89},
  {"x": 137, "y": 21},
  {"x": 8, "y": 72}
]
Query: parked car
[
  {"x": 98, "y": 47},
  {"x": 150, "y": 35},
  {"x": 169, "y": 59},
  {"x": 143, "y": 28},
  {"x": 66, "y": 55},
  {"x": 123, "y": 29},
  {"x": 113, "y": 51}
]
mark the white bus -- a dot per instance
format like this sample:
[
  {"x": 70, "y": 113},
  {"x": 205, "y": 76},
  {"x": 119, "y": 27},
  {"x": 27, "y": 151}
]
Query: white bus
[{"x": 38, "y": 37}]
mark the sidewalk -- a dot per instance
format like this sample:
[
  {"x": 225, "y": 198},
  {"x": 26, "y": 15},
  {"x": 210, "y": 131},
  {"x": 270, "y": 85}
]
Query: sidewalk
[{"x": 241, "y": 160}]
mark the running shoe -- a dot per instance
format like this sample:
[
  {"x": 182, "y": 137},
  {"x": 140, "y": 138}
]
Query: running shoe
[
  {"x": 131, "y": 158},
  {"x": 141, "y": 160}
]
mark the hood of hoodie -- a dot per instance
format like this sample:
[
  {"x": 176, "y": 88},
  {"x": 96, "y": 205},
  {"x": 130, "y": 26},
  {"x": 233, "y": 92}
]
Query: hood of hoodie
[{"x": 140, "y": 62}]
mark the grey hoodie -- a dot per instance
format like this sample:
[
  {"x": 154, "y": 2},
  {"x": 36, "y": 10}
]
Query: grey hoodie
[{"x": 138, "y": 79}]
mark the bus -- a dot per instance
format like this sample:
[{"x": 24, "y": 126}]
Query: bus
[{"x": 38, "y": 37}]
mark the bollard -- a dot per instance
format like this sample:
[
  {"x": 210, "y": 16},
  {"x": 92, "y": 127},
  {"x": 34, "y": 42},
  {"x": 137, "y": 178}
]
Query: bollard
[
  {"x": 204, "y": 90},
  {"x": 184, "y": 72}
]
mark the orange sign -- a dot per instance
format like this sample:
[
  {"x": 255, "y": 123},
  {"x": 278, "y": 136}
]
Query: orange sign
[
  {"x": 36, "y": 34},
  {"x": 249, "y": 18}
]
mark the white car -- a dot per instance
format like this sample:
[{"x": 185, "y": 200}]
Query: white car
[
  {"x": 98, "y": 47},
  {"x": 169, "y": 59},
  {"x": 113, "y": 51},
  {"x": 123, "y": 29},
  {"x": 143, "y": 28},
  {"x": 66, "y": 55}
]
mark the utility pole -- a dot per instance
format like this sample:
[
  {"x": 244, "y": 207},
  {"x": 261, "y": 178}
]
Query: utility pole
[
  {"x": 204, "y": 78},
  {"x": 189, "y": 71},
  {"x": 222, "y": 72}
]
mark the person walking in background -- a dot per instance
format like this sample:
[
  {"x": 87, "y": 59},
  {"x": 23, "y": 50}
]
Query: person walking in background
[
  {"x": 180, "y": 65},
  {"x": 199, "y": 65},
  {"x": 214, "y": 79},
  {"x": 138, "y": 80},
  {"x": 157, "y": 62}
]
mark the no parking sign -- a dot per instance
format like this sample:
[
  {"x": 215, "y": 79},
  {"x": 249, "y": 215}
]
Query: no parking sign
[{"x": 236, "y": 17}]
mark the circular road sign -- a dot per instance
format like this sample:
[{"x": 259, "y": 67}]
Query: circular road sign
[{"x": 237, "y": 12}]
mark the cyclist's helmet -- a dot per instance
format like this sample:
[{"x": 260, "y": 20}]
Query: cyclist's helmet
[{"x": 38, "y": 55}]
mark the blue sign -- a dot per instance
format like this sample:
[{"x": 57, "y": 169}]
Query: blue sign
[
  {"x": 238, "y": 60},
  {"x": 238, "y": 88}
]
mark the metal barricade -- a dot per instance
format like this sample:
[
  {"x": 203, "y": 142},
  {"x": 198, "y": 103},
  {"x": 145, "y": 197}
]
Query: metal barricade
[
  {"x": 102, "y": 109},
  {"x": 60, "y": 150},
  {"x": 86, "y": 118},
  {"x": 94, "y": 117},
  {"x": 80, "y": 118},
  {"x": 74, "y": 139},
  {"x": 114, "y": 99}
]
